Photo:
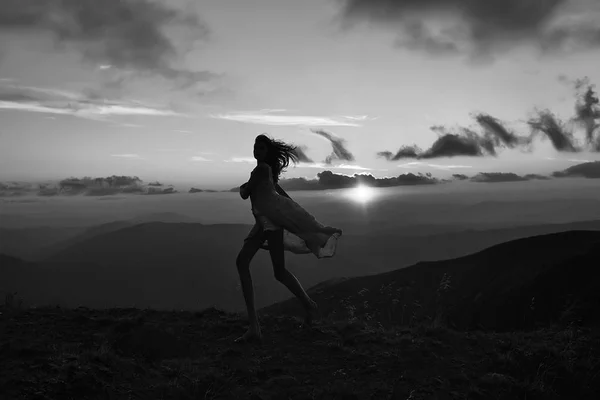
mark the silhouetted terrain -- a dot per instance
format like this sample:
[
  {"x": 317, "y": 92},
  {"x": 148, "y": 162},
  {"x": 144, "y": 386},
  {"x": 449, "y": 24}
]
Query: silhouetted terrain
[
  {"x": 464, "y": 328},
  {"x": 188, "y": 265},
  {"x": 525, "y": 283},
  {"x": 37, "y": 243}
]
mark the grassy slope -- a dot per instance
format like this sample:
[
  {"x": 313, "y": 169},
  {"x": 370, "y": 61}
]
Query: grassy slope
[
  {"x": 520, "y": 284},
  {"x": 355, "y": 351},
  {"x": 143, "y": 354}
]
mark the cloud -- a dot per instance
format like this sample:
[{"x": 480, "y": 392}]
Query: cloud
[
  {"x": 460, "y": 177},
  {"x": 62, "y": 102},
  {"x": 329, "y": 180},
  {"x": 587, "y": 111},
  {"x": 496, "y": 131},
  {"x": 585, "y": 170},
  {"x": 135, "y": 156},
  {"x": 550, "y": 126},
  {"x": 271, "y": 117},
  {"x": 404, "y": 152},
  {"x": 241, "y": 160},
  {"x": 497, "y": 177},
  {"x": 418, "y": 164},
  {"x": 124, "y": 34},
  {"x": 467, "y": 142},
  {"x": 338, "y": 166},
  {"x": 480, "y": 28},
  {"x": 587, "y": 116},
  {"x": 199, "y": 158},
  {"x": 131, "y": 125},
  {"x": 87, "y": 186},
  {"x": 577, "y": 160},
  {"x": 340, "y": 152}
]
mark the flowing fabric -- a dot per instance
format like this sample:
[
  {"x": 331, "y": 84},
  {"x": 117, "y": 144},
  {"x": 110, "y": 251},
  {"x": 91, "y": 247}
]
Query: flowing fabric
[{"x": 302, "y": 234}]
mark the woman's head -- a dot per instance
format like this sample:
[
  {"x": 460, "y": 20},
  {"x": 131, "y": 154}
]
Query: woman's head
[{"x": 275, "y": 153}]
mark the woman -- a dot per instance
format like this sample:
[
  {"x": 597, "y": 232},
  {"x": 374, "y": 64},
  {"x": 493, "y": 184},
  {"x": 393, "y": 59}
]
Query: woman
[{"x": 281, "y": 224}]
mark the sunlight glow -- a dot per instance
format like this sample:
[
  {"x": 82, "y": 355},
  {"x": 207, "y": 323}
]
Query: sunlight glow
[{"x": 362, "y": 194}]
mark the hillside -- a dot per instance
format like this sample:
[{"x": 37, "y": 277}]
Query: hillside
[
  {"x": 362, "y": 347},
  {"x": 521, "y": 284},
  {"x": 39, "y": 243}
]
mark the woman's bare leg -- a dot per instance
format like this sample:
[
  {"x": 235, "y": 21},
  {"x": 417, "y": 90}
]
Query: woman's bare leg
[
  {"x": 286, "y": 277},
  {"x": 243, "y": 266}
]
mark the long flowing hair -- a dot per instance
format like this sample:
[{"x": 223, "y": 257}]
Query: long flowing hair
[{"x": 279, "y": 154}]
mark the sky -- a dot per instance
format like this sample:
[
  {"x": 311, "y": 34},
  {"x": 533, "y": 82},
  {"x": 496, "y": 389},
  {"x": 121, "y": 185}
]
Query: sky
[{"x": 177, "y": 90}]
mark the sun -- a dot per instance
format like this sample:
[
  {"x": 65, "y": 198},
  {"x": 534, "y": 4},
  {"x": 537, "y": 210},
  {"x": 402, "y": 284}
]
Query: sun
[{"x": 362, "y": 194}]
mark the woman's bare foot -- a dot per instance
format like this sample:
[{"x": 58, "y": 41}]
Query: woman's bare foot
[{"x": 251, "y": 335}]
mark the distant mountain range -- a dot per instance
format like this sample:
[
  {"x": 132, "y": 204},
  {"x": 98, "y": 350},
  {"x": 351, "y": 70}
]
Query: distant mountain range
[{"x": 190, "y": 265}]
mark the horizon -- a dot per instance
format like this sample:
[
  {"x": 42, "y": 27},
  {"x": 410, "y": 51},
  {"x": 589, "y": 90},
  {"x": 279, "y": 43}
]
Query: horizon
[
  {"x": 442, "y": 219},
  {"x": 185, "y": 106}
]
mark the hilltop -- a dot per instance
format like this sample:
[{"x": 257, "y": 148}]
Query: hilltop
[
  {"x": 522, "y": 284},
  {"x": 444, "y": 345}
]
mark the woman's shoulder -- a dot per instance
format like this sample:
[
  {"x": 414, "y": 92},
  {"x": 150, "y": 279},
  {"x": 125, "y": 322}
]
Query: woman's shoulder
[{"x": 262, "y": 168}]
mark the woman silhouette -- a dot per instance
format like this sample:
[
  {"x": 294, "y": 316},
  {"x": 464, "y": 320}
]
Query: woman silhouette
[{"x": 281, "y": 224}]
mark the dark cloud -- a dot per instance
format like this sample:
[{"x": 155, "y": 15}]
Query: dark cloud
[
  {"x": 460, "y": 177},
  {"x": 126, "y": 34},
  {"x": 585, "y": 170},
  {"x": 587, "y": 111},
  {"x": 496, "y": 131},
  {"x": 418, "y": 37},
  {"x": 497, "y": 177},
  {"x": 468, "y": 143},
  {"x": 88, "y": 186},
  {"x": 477, "y": 27},
  {"x": 547, "y": 124},
  {"x": 196, "y": 190},
  {"x": 404, "y": 152},
  {"x": 331, "y": 180},
  {"x": 340, "y": 152}
]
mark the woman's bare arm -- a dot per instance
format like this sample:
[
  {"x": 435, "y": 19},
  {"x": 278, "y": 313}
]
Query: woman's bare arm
[{"x": 243, "y": 193}]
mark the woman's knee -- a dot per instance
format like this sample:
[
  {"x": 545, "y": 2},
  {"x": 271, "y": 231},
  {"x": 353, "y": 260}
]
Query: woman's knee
[{"x": 241, "y": 262}]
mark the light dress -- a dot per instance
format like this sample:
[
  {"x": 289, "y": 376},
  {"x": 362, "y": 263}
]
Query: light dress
[{"x": 302, "y": 234}]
